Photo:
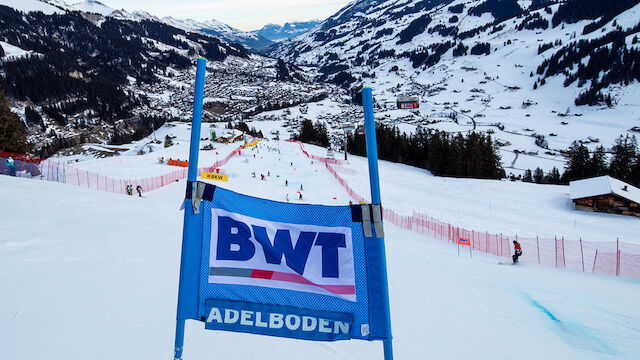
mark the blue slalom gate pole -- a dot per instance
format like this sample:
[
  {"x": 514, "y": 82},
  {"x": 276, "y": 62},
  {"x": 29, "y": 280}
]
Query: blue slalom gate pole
[
  {"x": 374, "y": 180},
  {"x": 187, "y": 296}
]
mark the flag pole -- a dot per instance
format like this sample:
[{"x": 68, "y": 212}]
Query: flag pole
[
  {"x": 374, "y": 180},
  {"x": 186, "y": 300}
]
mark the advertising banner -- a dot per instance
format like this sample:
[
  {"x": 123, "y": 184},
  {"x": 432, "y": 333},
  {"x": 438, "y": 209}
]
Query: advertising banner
[{"x": 281, "y": 269}]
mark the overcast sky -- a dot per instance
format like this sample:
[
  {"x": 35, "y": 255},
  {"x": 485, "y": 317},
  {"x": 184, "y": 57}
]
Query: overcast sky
[{"x": 241, "y": 14}]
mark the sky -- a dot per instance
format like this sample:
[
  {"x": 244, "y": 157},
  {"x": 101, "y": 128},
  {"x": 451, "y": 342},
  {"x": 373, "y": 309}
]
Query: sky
[{"x": 244, "y": 15}]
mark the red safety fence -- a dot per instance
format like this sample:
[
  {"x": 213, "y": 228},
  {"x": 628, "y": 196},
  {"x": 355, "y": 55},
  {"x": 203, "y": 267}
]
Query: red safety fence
[
  {"x": 345, "y": 170},
  {"x": 21, "y": 157},
  {"x": 610, "y": 258},
  {"x": 50, "y": 170},
  {"x": 314, "y": 157}
]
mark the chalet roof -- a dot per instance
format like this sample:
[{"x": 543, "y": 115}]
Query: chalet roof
[
  {"x": 603, "y": 185},
  {"x": 408, "y": 99}
]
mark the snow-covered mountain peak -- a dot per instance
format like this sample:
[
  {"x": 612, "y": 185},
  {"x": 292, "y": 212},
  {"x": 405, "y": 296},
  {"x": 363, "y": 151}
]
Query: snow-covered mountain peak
[{"x": 93, "y": 6}]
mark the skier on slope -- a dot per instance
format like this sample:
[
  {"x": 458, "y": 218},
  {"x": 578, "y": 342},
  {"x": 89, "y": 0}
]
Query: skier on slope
[
  {"x": 129, "y": 189},
  {"x": 518, "y": 251},
  {"x": 139, "y": 190}
]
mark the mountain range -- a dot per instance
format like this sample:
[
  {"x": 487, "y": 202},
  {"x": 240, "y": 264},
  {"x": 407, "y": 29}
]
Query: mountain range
[
  {"x": 275, "y": 32},
  {"x": 537, "y": 74},
  {"x": 412, "y": 37},
  {"x": 257, "y": 40}
]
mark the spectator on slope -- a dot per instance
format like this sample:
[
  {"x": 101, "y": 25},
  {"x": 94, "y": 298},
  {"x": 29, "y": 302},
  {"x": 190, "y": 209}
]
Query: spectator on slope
[
  {"x": 129, "y": 189},
  {"x": 139, "y": 190},
  {"x": 518, "y": 251},
  {"x": 11, "y": 166}
]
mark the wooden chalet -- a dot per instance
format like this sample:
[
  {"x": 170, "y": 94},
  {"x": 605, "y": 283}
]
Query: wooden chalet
[
  {"x": 606, "y": 194},
  {"x": 230, "y": 137}
]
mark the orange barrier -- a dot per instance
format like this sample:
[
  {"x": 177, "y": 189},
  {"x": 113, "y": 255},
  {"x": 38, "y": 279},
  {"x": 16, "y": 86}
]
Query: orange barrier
[{"x": 178, "y": 163}]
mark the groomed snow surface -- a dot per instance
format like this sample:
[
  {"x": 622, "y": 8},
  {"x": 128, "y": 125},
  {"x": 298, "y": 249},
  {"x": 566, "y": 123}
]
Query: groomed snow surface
[{"x": 93, "y": 275}]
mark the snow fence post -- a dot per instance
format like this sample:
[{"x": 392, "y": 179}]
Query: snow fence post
[
  {"x": 374, "y": 180},
  {"x": 617, "y": 256},
  {"x": 190, "y": 227},
  {"x": 581, "y": 254}
]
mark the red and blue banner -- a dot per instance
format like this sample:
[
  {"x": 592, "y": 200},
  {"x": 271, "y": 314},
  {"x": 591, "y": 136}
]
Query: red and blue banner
[
  {"x": 282, "y": 269},
  {"x": 463, "y": 241}
]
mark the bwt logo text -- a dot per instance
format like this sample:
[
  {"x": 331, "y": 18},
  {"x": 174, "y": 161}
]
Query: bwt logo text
[
  {"x": 250, "y": 251},
  {"x": 234, "y": 243}
]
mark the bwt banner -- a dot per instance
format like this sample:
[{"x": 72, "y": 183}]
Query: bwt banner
[{"x": 282, "y": 269}]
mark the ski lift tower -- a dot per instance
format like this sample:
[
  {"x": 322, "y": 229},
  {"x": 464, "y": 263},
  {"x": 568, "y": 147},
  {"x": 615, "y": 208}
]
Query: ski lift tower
[{"x": 348, "y": 129}]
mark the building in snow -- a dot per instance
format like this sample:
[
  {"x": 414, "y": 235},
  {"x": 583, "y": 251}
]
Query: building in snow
[
  {"x": 408, "y": 102},
  {"x": 606, "y": 194},
  {"x": 231, "y": 137}
]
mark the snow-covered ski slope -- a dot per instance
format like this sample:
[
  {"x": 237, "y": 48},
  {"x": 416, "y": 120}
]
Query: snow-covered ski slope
[{"x": 93, "y": 275}]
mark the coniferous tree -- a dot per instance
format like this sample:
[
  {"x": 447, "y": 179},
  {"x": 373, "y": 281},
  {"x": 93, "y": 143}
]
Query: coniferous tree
[
  {"x": 527, "y": 177},
  {"x": 597, "y": 164},
  {"x": 634, "y": 176},
  {"x": 624, "y": 156},
  {"x": 553, "y": 177},
  {"x": 313, "y": 133},
  {"x": 12, "y": 132},
  {"x": 474, "y": 155},
  {"x": 577, "y": 165},
  {"x": 32, "y": 117},
  {"x": 538, "y": 176}
]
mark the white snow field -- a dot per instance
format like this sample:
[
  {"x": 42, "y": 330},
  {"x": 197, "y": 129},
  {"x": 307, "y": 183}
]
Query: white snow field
[{"x": 93, "y": 275}]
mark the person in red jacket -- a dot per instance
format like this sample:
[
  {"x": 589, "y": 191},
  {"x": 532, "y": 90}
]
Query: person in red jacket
[{"x": 518, "y": 251}]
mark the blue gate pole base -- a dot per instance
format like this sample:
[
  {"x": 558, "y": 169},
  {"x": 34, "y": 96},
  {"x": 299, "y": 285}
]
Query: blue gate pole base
[
  {"x": 388, "y": 350},
  {"x": 177, "y": 352}
]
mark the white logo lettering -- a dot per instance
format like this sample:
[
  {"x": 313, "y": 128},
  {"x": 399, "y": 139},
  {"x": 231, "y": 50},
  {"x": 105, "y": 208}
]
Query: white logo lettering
[
  {"x": 214, "y": 314},
  {"x": 259, "y": 322},
  {"x": 231, "y": 316},
  {"x": 292, "y": 322},
  {"x": 309, "y": 323},
  {"x": 245, "y": 317},
  {"x": 324, "y": 326},
  {"x": 275, "y": 320}
]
